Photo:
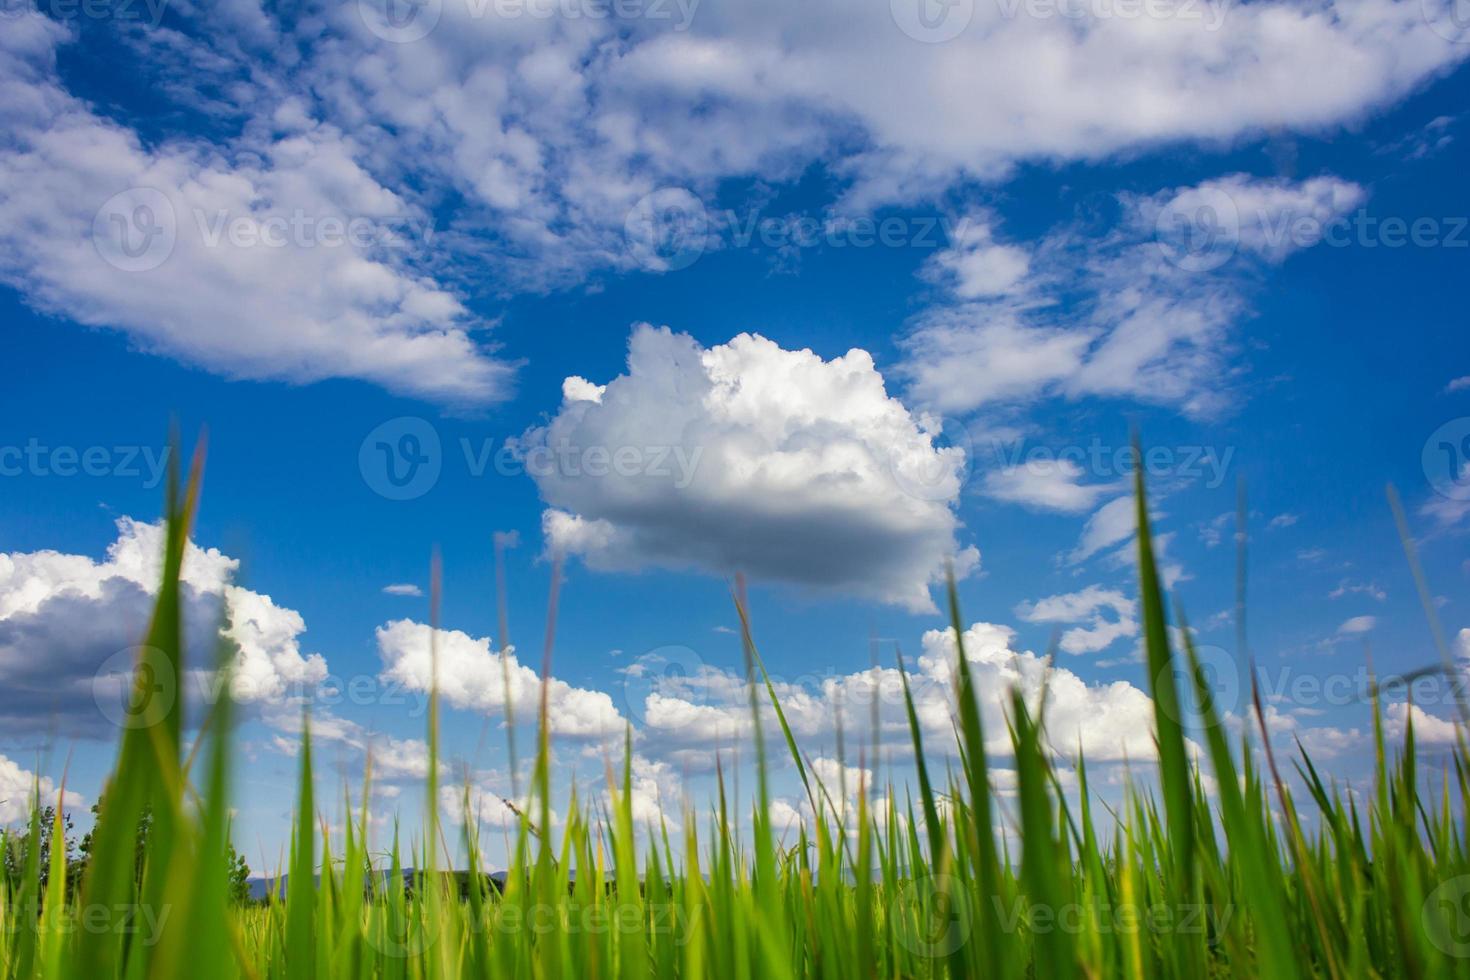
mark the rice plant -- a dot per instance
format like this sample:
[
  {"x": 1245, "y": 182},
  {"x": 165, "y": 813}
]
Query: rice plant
[{"x": 1215, "y": 867}]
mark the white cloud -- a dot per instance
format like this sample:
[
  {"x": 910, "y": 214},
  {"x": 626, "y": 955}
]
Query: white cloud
[
  {"x": 547, "y": 130},
  {"x": 1086, "y": 606},
  {"x": 1320, "y": 741},
  {"x": 1106, "y": 721},
  {"x": 576, "y": 389},
  {"x": 278, "y": 256},
  {"x": 963, "y": 357},
  {"x": 841, "y": 780},
  {"x": 471, "y": 676},
  {"x": 745, "y": 456},
  {"x": 1171, "y": 572},
  {"x": 1113, "y": 522},
  {"x": 1356, "y": 625},
  {"x": 1211, "y": 531},
  {"x": 403, "y": 589},
  {"x": 392, "y": 758},
  {"x": 656, "y": 794},
  {"x": 975, "y": 266},
  {"x": 1283, "y": 520},
  {"x": 1109, "y": 721},
  {"x": 489, "y": 803},
  {"x": 1150, "y": 301},
  {"x": 89, "y": 615},
  {"x": 1268, "y": 218},
  {"x": 1428, "y": 729},
  {"x": 1045, "y": 485},
  {"x": 1347, "y": 588},
  {"x": 1448, "y": 511},
  {"x": 556, "y": 126},
  {"x": 1432, "y": 137},
  {"x": 18, "y": 788},
  {"x": 655, "y": 797}
]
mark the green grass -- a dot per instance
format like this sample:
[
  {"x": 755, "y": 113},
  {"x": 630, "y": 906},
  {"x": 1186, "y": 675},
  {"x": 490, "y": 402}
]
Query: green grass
[{"x": 1242, "y": 879}]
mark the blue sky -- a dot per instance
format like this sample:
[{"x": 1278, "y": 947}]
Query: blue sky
[{"x": 909, "y": 320}]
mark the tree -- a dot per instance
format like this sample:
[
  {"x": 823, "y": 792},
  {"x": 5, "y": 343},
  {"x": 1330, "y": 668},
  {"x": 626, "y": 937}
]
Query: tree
[
  {"x": 238, "y": 869},
  {"x": 140, "y": 849},
  {"x": 18, "y": 845},
  {"x": 239, "y": 877}
]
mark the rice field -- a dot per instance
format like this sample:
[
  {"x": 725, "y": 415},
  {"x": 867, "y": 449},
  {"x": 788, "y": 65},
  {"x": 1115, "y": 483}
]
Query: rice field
[{"x": 1233, "y": 861}]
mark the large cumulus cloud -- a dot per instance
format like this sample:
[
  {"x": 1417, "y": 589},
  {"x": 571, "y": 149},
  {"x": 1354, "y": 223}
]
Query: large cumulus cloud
[
  {"x": 70, "y": 626},
  {"x": 749, "y": 457}
]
